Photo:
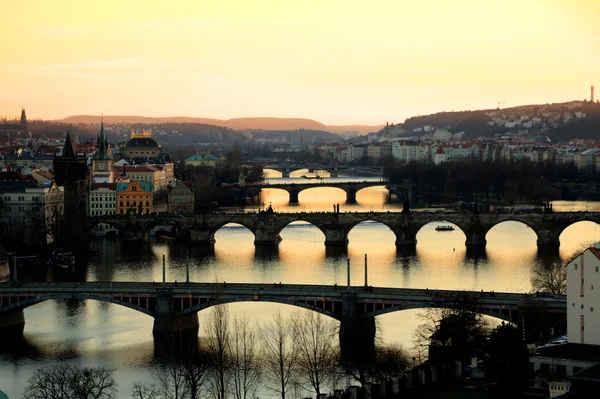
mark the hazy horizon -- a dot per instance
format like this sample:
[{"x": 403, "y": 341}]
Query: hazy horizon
[{"x": 339, "y": 63}]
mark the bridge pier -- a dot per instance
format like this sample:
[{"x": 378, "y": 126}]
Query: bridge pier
[
  {"x": 406, "y": 247},
  {"x": 173, "y": 330},
  {"x": 132, "y": 234},
  {"x": 334, "y": 173},
  {"x": 294, "y": 196},
  {"x": 357, "y": 333},
  {"x": 201, "y": 235},
  {"x": 475, "y": 242},
  {"x": 12, "y": 323},
  {"x": 351, "y": 196},
  {"x": 285, "y": 173},
  {"x": 335, "y": 236}
]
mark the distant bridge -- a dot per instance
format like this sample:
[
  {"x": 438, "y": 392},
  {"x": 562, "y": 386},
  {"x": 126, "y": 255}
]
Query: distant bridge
[
  {"x": 351, "y": 188},
  {"x": 175, "y": 306},
  {"x": 334, "y": 170},
  {"x": 266, "y": 227}
]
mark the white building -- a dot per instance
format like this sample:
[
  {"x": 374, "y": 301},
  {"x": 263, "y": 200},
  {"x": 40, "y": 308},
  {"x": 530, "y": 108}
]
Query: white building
[
  {"x": 30, "y": 212},
  {"x": 408, "y": 151},
  {"x": 583, "y": 297},
  {"x": 102, "y": 199}
]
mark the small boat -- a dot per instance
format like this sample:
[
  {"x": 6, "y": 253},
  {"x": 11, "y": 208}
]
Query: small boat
[
  {"x": 61, "y": 258},
  {"x": 444, "y": 228},
  {"x": 4, "y": 268},
  {"x": 166, "y": 237}
]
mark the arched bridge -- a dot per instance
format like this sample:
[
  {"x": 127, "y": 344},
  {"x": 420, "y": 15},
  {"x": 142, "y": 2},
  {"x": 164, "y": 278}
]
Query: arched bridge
[
  {"x": 351, "y": 188},
  {"x": 334, "y": 170},
  {"x": 175, "y": 306},
  {"x": 266, "y": 226}
]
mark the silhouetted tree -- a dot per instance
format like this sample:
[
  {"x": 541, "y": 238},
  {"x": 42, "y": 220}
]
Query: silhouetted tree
[
  {"x": 279, "y": 354},
  {"x": 67, "y": 382}
]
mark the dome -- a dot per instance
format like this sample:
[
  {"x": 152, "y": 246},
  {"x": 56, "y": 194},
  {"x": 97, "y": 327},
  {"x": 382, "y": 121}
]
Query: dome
[{"x": 141, "y": 142}]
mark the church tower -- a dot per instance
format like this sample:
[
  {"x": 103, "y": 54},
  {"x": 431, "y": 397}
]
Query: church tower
[
  {"x": 102, "y": 164},
  {"x": 23, "y": 118}
]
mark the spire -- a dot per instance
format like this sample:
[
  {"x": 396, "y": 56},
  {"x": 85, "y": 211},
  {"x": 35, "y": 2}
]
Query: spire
[
  {"x": 102, "y": 144},
  {"x": 23, "y": 117},
  {"x": 68, "y": 150}
]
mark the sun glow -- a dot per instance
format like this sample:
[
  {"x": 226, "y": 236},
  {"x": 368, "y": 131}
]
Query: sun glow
[{"x": 335, "y": 61}]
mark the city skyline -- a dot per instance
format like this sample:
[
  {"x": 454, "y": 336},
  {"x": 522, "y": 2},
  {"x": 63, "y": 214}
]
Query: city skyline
[{"x": 338, "y": 62}]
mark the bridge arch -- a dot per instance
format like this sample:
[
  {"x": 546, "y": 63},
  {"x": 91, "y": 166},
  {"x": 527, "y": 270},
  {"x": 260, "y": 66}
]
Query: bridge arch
[
  {"x": 369, "y": 221},
  {"x": 521, "y": 221},
  {"x": 305, "y": 305},
  {"x": 425, "y": 305},
  {"x": 333, "y": 191},
  {"x": 34, "y": 300},
  {"x": 305, "y": 220},
  {"x": 105, "y": 229},
  {"x": 574, "y": 231},
  {"x": 219, "y": 226}
]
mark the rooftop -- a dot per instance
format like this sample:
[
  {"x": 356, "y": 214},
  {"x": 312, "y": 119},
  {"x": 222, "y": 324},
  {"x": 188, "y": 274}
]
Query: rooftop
[{"x": 570, "y": 351}]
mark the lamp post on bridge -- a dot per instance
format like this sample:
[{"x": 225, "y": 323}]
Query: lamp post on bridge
[
  {"x": 164, "y": 271},
  {"x": 348, "y": 272},
  {"x": 366, "y": 267}
]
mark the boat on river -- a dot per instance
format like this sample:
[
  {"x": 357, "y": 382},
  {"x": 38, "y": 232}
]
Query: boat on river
[
  {"x": 444, "y": 228},
  {"x": 61, "y": 258}
]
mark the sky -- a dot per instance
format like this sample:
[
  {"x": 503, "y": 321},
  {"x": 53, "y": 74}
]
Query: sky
[{"x": 338, "y": 62}]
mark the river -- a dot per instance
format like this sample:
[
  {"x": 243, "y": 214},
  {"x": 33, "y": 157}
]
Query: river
[{"x": 92, "y": 334}]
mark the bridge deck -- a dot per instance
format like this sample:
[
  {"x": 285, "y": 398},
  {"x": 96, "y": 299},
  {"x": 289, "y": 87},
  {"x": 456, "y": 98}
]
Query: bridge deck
[{"x": 297, "y": 291}]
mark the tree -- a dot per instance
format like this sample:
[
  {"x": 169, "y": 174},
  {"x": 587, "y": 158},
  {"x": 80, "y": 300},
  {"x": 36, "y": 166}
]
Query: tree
[
  {"x": 176, "y": 378},
  {"x": 279, "y": 354},
  {"x": 552, "y": 278},
  {"x": 218, "y": 339},
  {"x": 506, "y": 359},
  {"x": 245, "y": 364},
  {"x": 315, "y": 339},
  {"x": 67, "y": 382}
]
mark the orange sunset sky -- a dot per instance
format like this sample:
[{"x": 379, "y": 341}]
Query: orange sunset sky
[{"x": 339, "y": 62}]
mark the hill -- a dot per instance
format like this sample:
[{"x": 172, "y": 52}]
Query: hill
[
  {"x": 557, "y": 121},
  {"x": 235, "y": 123}
]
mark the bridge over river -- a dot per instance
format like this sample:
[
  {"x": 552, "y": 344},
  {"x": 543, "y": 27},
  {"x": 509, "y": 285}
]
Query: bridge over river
[
  {"x": 287, "y": 167},
  {"x": 266, "y": 226},
  {"x": 174, "y": 307},
  {"x": 351, "y": 188}
]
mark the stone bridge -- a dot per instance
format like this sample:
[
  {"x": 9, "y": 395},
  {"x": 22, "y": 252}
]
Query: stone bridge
[
  {"x": 351, "y": 188},
  {"x": 266, "y": 227},
  {"x": 174, "y": 307},
  {"x": 334, "y": 170}
]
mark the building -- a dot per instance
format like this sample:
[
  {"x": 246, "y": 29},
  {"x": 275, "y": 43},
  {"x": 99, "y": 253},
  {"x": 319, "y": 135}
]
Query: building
[
  {"x": 8, "y": 129},
  {"x": 439, "y": 157},
  {"x": 71, "y": 172},
  {"x": 407, "y": 151},
  {"x": 181, "y": 198},
  {"x": 102, "y": 163},
  {"x": 141, "y": 145},
  {"x": 150, "y": 174},
  {"x": 102, "y": 199},
  {"x": 134, "y": 197},
  {"x": 583, "y": 297},
  {"x": 30, "y": 213},
  {"x": 202, "y": 159}
]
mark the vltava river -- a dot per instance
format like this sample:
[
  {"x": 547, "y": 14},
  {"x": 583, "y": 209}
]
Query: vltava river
[{"x": 92, "y": 334}]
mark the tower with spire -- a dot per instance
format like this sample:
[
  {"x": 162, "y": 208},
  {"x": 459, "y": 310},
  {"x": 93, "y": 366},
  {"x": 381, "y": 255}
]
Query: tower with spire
[{"x": 102, "y": 164}]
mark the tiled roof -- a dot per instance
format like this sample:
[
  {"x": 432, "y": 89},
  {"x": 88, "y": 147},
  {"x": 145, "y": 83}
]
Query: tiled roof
[{"x": 122, "y": 186}]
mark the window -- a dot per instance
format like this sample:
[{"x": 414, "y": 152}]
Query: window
[
  {"x": 575, "y": 266},
  {"x": 591, "y": 309},
  {"x": 121, "y": 203},
  {"x": 147, "y": 203},
  {"x": 596, "y": 269}
]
